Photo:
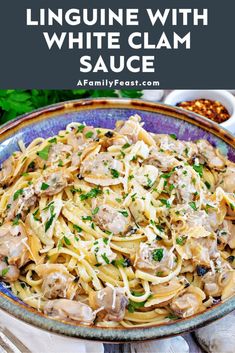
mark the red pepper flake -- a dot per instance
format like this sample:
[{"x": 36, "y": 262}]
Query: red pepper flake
[{"x": 212, "y": 110}]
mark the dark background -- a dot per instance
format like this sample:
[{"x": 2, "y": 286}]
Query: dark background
[{"x": 26, "y": 62}]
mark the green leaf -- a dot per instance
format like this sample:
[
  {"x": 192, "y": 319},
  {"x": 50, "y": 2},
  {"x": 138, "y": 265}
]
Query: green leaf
[
  {"x": 53, "y": 140},
  {"x": 165, "y": 202},
  {"x": 124, "y": 213},
  {"x": 132, "y": 306},
  {"x": 49, "y": 222},
  {"x": 15, "y": 221},
  {"x": 173, "y": 136},
  {"x": 4, "y": 271},
  {"x": 157, "y": 254},
  {"x": 115, "y": 173},
  {"x": 131, "y": 93},
  {"x": 77, "y": 228},
  {"x": 127, "y": 145},
  {"x": 44, "y": 186},
  {"x": 95, "y": 211},
  {"x": 81, "y": 128},
  {"x": 105, "y": 258},
  {"x": 181, "y": 240},
  {"x": 86, "y": 218},
  {"x": 89, "y": 134},
  {"x": 67, "y": 241},
  {"x": 44, "y": 153},
  {"x": 199, "y": 169},
  {"x": 91, "y": 194},
  {"x": 17, "y": 194},
  {"x": 193, "y": 205}
]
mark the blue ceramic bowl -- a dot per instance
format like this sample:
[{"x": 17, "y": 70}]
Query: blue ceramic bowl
[{"x": 105, "y": 112}]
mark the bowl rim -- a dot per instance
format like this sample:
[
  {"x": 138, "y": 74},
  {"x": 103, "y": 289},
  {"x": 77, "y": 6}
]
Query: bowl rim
[{"x": 114, "y": 335}]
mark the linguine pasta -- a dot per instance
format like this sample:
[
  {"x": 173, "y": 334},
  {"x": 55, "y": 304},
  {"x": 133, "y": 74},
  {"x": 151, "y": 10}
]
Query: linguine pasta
[{"x": 118, "y": 227}]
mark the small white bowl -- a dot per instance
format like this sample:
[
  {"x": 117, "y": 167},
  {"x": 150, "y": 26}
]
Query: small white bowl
[{"x": 224, "y": 97}]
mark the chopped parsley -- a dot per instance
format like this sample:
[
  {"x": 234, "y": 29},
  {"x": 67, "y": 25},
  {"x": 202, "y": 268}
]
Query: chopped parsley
[
  {"x": 60, "y": 164},
  {"x": 157, "y": 254},
  {"x": 198, "y": 168},
  {"x": 124, "y": 213},
  {"x": 44, "y": 153},
  {"x": 35, "y": 214},
  {"x": 86, "y": 218},
  {"x": 172, "y": 317},
  {"x": 208, "y": 185},
  {"x": 173, "y": 136},
  {"x": 50, "y": 221},
  {"x": 95, "y": 211},
  {"x": 193, "y": 205},
  {"x": 91, "y": 194},
  {"x": 17, "y": 194},
  {"x": 167, "y": 175},
  {"x": 181, "y": 240},
  {"x": 106, "y": 240},
  {"x": 44, "y": 186},
  {"x": 4, "y": 271},
  {"x": 165, "y": 202},
  {"x": 53, "y": 140},
  {"x": 66, "y": 240},
  {"x": 80, "y": 128},
  {"x": 232, "y": 206},
  {"x": 77, "y": 228},
  {"x": 89, "y": 134},
  {"x": 126, "y": 146},
  {"x": 132, "y": 306},
  {"x": 105, "y": 258},
  {"x": 115, "y": 173},
  {"x": 15, "y": 221},
  {"x": 122, "y": 262}
]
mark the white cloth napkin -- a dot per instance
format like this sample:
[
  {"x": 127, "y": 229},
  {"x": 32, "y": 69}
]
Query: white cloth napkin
[{"x": 39, "y": 341}]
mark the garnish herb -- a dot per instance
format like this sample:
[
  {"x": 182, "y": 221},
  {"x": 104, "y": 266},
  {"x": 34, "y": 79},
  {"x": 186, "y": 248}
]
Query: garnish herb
[
  {"x": 115, "y": 173},
  {"x": 126, "y": 146},
  {"x": 89, "y": 134},
  {"x": 124, "y": 213},
  {"x": 105, "y": 258},
  {"x": 15, "y": 221},
  {"x": 44, "y": 153},
  {"x": 132, "y": 306},
  {"x": 44, "y": 186},
  {"x": 157, "y": 254},
  {"x": 165, "y": 202},
  {"x": 193, "y": 205},
  {"x": 81, "y": 128},
  {"x": 198, "y": 168},
  {"x": 181, "y": 240},
  {"x": 86, "y": 218},
  {"x": 17, "y": 194},
  {"x": 77, "y": 228},
  {"x": 4, "y": 271},
  {"x": 53, "y": 140},
  {"x": 66, "y": 240},
  {"x": 91, "y": 194},
  {"x": 173, "y": 136},
  {"x": 95, "y": 211}
]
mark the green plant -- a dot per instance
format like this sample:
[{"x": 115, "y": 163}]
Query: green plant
[{"x": 17, "y": 102}]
